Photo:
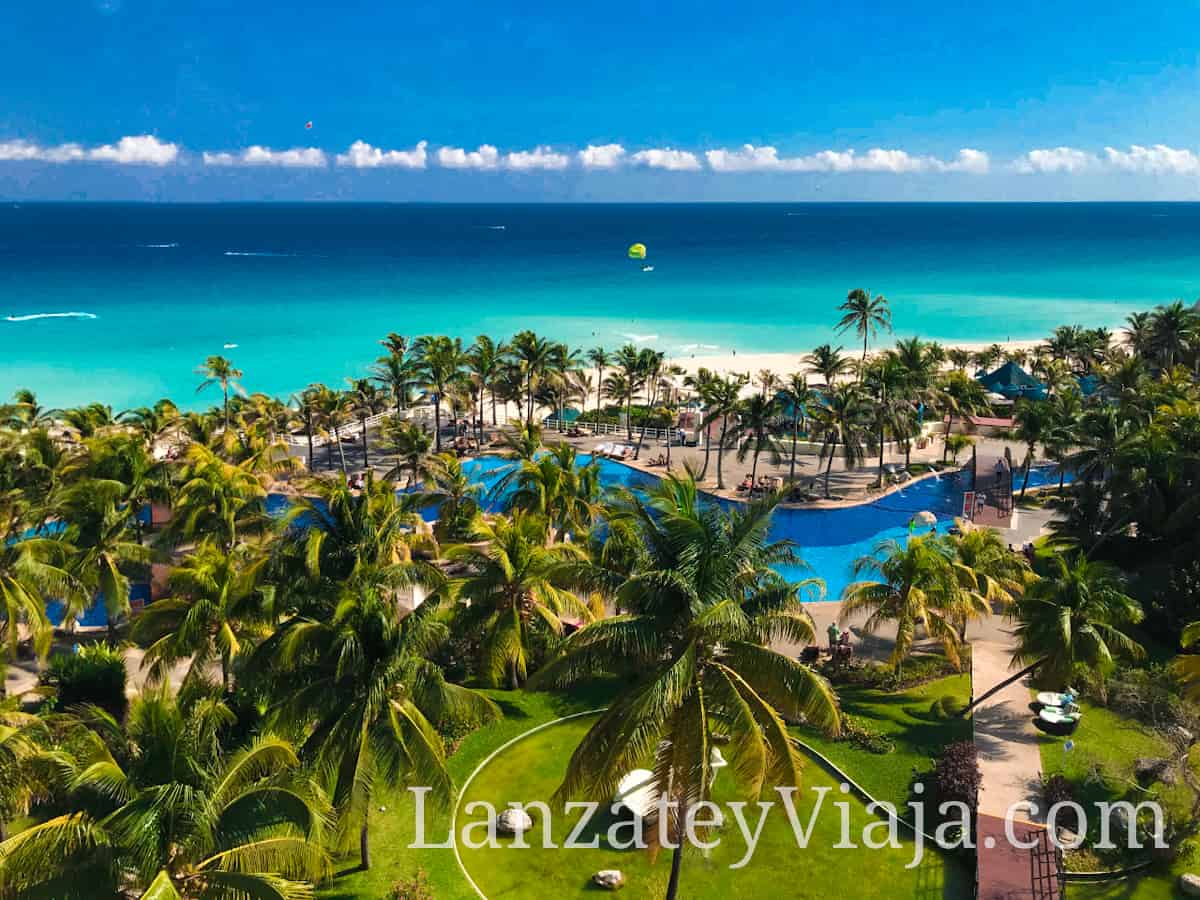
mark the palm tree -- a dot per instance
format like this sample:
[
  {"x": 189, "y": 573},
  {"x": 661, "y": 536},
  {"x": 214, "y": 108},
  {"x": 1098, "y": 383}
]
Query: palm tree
[
  {"x": 986, "y": 562},
  {"x": 828, "y": 362},
  {"x": 307, "y": 404},
  {"x": 1103, "y": 436},
  {"x": 797, "y": 397},
  {"x": 721, "y": 401},
  {"x": 215, "y": 600},
  {"x": 1139, "y": 332},
  {"x": 333, "y": 409},
  {"x": 366, "y": 400},
  {"x": 1186, "y": 668},
  {"x": 1071, "y": 621},
  {"x": 702, "y": 383},
  {"x": 959, "y": 358},
  {"x": 361, "y": 686},
  {"x": 918, "y": 583},
  {"x": 842, "y": 421},
  {"x": 956, "y": 444},
  {"x": 397, "y": 373},
  {"x": 457, "y": 495},
  {"x": 1033, "y": 422},
  {"x": 890, "y": 380},
  {"x": 958, "y": 395},
  {"x": 626, "y": 381},
  {"x": 219, "y": 370},
  {"x": 756, "y": 416},
  {"x": 25, "y": 413},
  {"x": 32, "y": 570},
  {"x": 702, "y": 606},
  {"x": 1174, "y": 330},
  {"x": 161, "y": 811},
  {"x": 441, "y": 362},
  {"x": 599, "y": 358},
  {"x": 534, "y": 357},
  {"x": 557, "y": 488},
  {"x": 411, "y": 444},
  {"x": 217, "y": 499},
  {"x": 510, "y": 585},
  {"x": 866, "y": 314},
  {"x": 484, "y": 361}
]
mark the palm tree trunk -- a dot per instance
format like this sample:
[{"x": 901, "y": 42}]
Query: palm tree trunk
[
  {"x": 1005, "y": 683},
  {"x": 225, "y": 388},
  {"x": 364, "y": 845},
  {"x": 829, "y": 467},
  {"x": 629, "y": 418},
  {"x": 946, "y": 441},
  {"x": 492, "y": 391},
  {"x": 676, "y": 863},
  {"x": 721, "y": 452},
  {"x": 513, "y": 681},
  {"x": 366, "y": 453},
  {"x": 1028, "y": 466},
  {"x": 795, "y": 437},
  {"x": 881, "y": 454},
  {"x": 341, "y": 452},
  {"x": 310, "y": 448},
  {"x": 437, "y": 421}
]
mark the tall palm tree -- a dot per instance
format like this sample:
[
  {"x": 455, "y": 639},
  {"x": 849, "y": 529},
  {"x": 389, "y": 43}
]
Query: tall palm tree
[
  {"x": 917, "y": 583},
  {"x": 534, "y": 357},
  {"x": 628, "y": 378},
  {"x": 1174, "y": 330},
  {"x": 457, "y": 495},
  {"x": 217, "y": 499},
  {"x": 1032, "y": 421},
  {"x": 307, "y": 405},
  {"x": 599, "y": 358},
  {"x": 510, "y": 583},
  {"x": 702, "y": 382},
  {"x": 958, "y": 395},
  {"x": 161, "y": 811},
  {"x": 556, "y": 487},
  {"x": 757, "y": 414},
  {"x": 828, "y": 362},
  {"x": 216, "y": 600},
  {"x": 959, "y": 358},
  {"x": 1139, "y": 333},
  {"x": 987, "y": 564},
  {"x": 1073, "y": 620},
  {"x": 361, "y": 685},
  {"x": 891, "y": 383},
  {"x": 702, "y": 606},
  {"x": 798, "y": 397},
  {"x": 220, "y": 371},
  {"x": 365, "y": 400},
  {"x": 411, "y": 444},
  {"x": 842, "y": 423},
  {"x": 484, "y": 361},
  {"x": 866, "y": 314},
  {"x": 721, "y": 402},
  {"x": 441, "y": 362},
  {"x": 396, "y": 372},
  {"x": 1103, "y": 436}
]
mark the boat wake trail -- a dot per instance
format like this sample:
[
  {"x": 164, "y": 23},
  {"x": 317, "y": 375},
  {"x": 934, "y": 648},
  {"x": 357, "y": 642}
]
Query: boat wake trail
[{"x": 54, "y": 315}]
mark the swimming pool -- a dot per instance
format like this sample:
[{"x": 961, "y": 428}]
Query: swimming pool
[{"x": 829, "y": 540}]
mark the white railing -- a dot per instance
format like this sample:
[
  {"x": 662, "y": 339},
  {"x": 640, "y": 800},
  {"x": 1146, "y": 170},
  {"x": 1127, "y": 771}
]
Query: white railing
[
  {"x": 354, "y": 427},
  {"x": 553, "y": 424}
]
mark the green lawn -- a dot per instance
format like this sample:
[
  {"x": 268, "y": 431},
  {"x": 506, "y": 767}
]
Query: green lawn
[
  {"x": 904, "y": 717},
  {"x": 532, "y": 769},
  {"x": 1100, "y": 767},
  {"x": 392, "y": 831}
]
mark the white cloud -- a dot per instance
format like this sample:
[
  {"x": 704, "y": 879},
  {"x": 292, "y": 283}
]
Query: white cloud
[
  {"x": 604, "y": 156},
  {"x": 537, "y": 158},
  {"x": 666, "y": 158},
  {"x": 1157, "y": 160},
  {"x": 362, "y": 155},
  {"x": 767, "y": 159},
  {"x": 1055, "y": 160},
  {"x": 295, "y": 158},
  {"x": 486, "y": 157},
  {"x": 144, "y": 149}
]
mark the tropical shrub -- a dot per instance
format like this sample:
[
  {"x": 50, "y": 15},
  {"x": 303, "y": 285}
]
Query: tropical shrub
[
  {"x": 93, "y": 675},
  {"x": 956, "y": 774},
  {"x": 414, "y": 888},
  {"x": 857, "y": 732},
  {"x": 1057, "y": 789}
]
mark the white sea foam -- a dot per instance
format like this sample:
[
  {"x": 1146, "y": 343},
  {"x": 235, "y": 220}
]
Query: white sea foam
[
  {"x": 54, "y": 315},
  {"x": 638, "y": 338},
  {"x": 158, "y": 246},
  {"x": 255, "y": 253},
  {"x": 229, "y": 346}
]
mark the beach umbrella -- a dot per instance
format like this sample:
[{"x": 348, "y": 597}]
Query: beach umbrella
[{"x": 923, "y": 518}]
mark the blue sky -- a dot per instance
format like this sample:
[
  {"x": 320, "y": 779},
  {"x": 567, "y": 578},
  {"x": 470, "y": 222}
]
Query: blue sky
[{"x": 149, "y": 99}]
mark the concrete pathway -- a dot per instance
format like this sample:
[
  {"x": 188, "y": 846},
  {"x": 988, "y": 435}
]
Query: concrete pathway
[{"x": 1004, "y": 734}]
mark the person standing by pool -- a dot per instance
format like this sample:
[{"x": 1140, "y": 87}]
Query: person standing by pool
[{"x": 835, "y": 635}]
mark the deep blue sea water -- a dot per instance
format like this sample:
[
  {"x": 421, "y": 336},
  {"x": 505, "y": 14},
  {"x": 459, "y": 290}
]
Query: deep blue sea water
[{"x": 305, "y": 291}]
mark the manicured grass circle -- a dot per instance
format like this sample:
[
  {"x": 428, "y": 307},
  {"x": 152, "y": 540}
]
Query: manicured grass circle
[{"x": 532, "y": 768}]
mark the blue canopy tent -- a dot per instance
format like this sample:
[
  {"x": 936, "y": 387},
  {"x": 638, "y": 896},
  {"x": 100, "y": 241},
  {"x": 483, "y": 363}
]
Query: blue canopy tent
[{"x": 1013, "y": 382}]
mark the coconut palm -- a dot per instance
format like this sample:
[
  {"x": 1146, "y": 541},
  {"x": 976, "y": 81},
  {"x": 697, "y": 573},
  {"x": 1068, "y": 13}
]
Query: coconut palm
[
  {"x": 521, "y": 441},
  {"x": 510, "y": 583},
  {"x": 457, "y": 495},
  {"x": 1072, "y": 622},
  {"x": 957, "y": 395},
  {"x": 1139, "y": 333},
  {"x": 365, "y": 401},
  {"x": 484, "y": 361},
  {"x": 866, "y": 314},
  {"x": 957, "y": 443},
  {"x": 1187, "y": 667},
  {"x": 959, "y": 358},
  {"x": 1174, "y": 330},
  {"x": 797, "y": 398},
  {"x": 25, "y": 413},
  {"x": 626, "y": 381},
  {"x": 828, "y": 362},
  {"x": 215, "y": 600},
  {"x": 842, "y": 423},
  {"x": 217, "y": 370},
  {"x": 396, "y": 372},
  {"x": 702, "y": 604},
  {"x": 722, "y": 400},
  {"x": 534, "y": 357},
  {"x": 917, "y": 583},
  {"x": 756, "y": 416},
  {"x": 411, "y": 445},
  {"x": 989, "y": 566},
  {"x": 1032, "y": 421},
  {"x": 891, "y": 382},
  {"x": 217, "y": 499},
  {"x": 557, "y": 488},
  {"x": 160, "y": 811},
  {"x": 307, "y": 406},
  {"x": 599, "y": 358},
  {"x": 441, "y": 361},
  {"x": 1103, "y": 436}
]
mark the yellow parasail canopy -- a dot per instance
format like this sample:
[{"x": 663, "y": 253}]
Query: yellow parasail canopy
[{"x": 637, "y": 251}]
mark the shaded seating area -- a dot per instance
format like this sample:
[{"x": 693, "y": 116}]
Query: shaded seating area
[{"x": 1013, "y": 382}]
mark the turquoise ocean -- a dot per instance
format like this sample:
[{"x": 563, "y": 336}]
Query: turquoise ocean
[{"x": 305, "y": 291}]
